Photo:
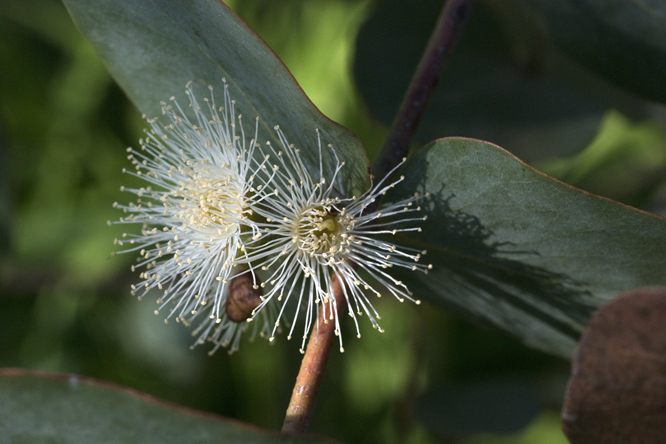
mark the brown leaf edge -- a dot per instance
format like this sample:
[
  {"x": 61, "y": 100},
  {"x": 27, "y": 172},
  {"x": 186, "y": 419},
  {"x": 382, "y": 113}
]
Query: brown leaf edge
[
  {"x": 291, "y": 76},
  {"x": 529, "y": 167},
  {"x": 90, "y": 381}
]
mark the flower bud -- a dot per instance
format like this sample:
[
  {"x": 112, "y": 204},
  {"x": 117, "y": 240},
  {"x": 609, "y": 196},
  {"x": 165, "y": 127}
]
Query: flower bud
[{"x": 242, "y": 297}]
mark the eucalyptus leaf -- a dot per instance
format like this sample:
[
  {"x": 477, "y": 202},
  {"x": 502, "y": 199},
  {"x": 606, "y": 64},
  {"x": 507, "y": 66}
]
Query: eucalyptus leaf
[
  {"x": 67, "y": 409},
  {"x": 520, "y": 250},
  {"x": 624, "y": 41},
  {"x": 153, "y": 48},
  {"x": 505, "y": 82}
]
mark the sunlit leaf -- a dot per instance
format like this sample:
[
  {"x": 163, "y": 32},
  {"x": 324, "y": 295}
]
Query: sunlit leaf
[
  {"x": 153, "y": 48},
  {"x": 520, "y": 250},
  {"x": 39, "y": 407}
]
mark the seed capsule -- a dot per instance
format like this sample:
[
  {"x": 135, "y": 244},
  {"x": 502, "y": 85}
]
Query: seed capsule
[{"x": 242, "y": 298}]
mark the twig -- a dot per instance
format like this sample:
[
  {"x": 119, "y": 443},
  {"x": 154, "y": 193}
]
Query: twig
[
  {"x": 438, "y": 52},
  {"x": 309, "y": 377},
  {"x": 441, "y": 44}
]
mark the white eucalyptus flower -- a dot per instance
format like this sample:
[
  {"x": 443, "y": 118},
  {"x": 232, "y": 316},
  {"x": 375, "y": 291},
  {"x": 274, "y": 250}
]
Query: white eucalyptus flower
[
  {"x": 195, "y": 213},
  {"x": 314, "y": 234},
  {"x": 219, "y": 214}
]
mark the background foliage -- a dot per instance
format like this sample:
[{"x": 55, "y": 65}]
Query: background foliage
[{"x": 65, "y": 305}]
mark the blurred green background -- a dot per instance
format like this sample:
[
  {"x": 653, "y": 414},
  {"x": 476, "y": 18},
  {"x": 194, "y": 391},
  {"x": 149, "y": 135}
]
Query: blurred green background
[{"x": 65, "y": 304}]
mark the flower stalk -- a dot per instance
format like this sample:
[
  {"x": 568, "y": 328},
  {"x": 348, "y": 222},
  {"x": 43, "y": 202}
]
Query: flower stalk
[
  {"x": 314, "y": 362},
  {"x": 437, "y": 53},
  {"x": 229, "y": 237}
]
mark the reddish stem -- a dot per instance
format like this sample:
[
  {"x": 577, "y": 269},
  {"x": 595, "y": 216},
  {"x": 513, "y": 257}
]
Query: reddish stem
[
  {"x": 444, "y": 38},
  {"x": 309, "y": 377},
  {"x": 438, "y": 52}
]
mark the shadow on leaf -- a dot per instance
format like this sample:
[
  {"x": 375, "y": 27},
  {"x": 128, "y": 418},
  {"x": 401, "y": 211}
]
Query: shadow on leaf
[{"x": 483, "y": 277}]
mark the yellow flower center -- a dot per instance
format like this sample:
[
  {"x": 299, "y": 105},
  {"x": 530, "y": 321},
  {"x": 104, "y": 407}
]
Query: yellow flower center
[
  {"x": 218, "y": 198},
  {"x": 321, "y": 231}
]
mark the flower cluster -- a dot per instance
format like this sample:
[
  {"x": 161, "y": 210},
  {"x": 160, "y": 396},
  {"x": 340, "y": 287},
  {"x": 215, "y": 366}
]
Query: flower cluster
[{"x": 235, "y": 231}]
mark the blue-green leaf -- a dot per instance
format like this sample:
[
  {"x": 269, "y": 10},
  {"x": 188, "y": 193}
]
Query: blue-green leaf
[
  {"x": 505, "y": 82},
  {"x": 624, "y": 41},
  {"x": 153, "y": 48},
  {"x": 520, "y": 250},
  {"x": 68, "y": 409}
]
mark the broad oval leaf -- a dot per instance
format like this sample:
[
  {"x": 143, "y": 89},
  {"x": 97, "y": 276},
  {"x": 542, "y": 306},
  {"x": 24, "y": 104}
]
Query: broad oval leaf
[
  {"x": 520, "y": 250},
  {"x": 153, "y": 48},
  {"x": 505, "y": 83},
  {"x": 48, "y": 408},
  {"x": 624, "y": 41}
]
